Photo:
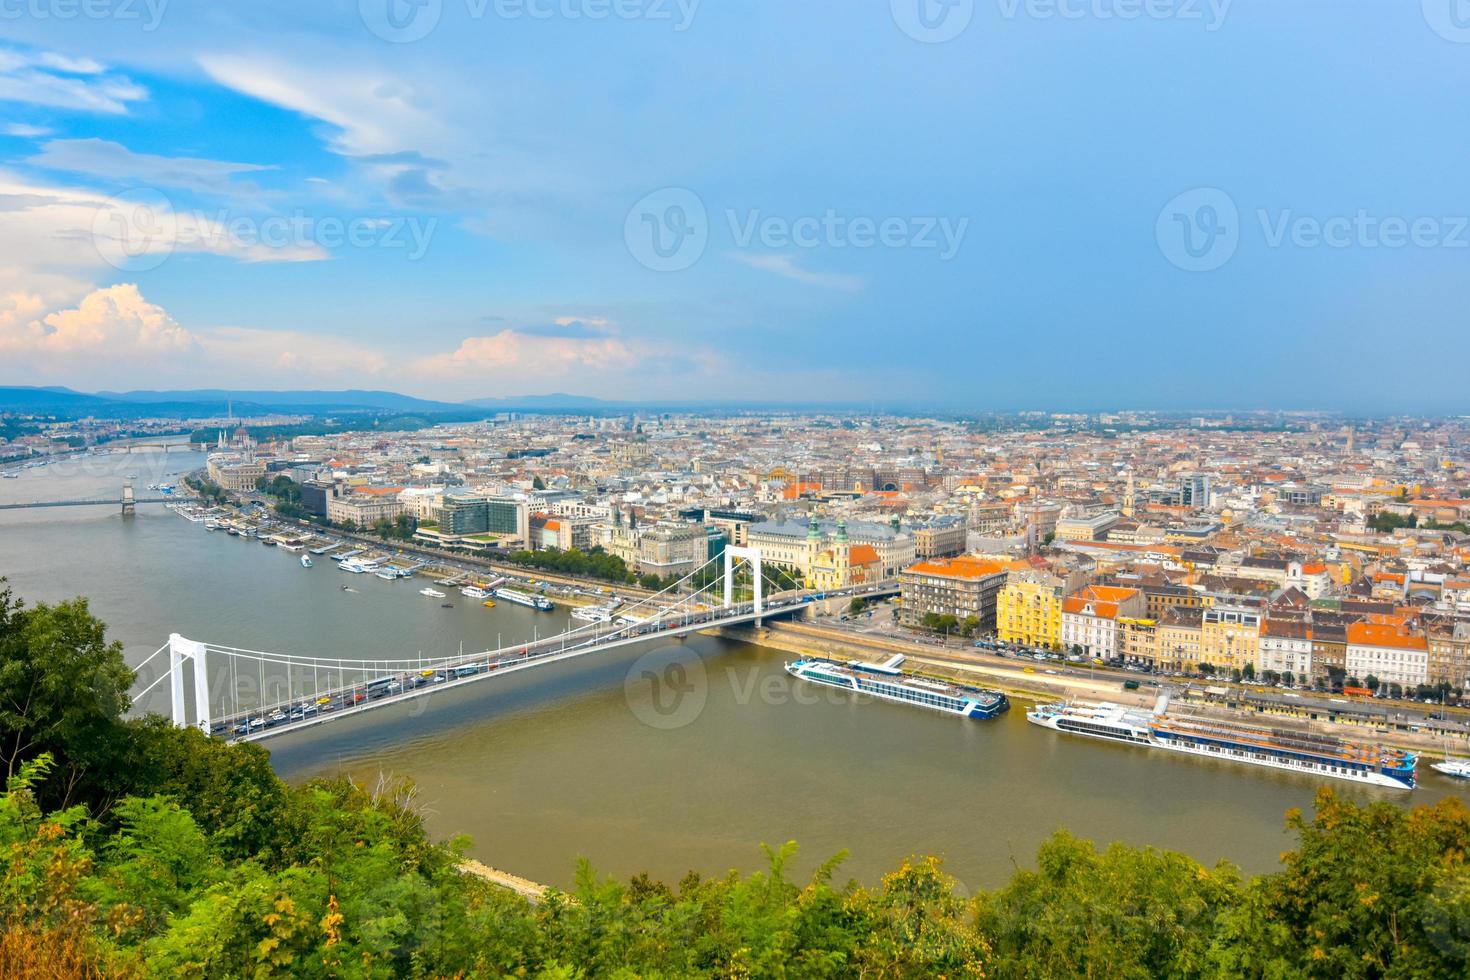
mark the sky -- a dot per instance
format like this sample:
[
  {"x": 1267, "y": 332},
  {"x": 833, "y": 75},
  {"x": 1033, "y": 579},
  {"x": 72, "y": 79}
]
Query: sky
[{"x": 975, "y": 204}]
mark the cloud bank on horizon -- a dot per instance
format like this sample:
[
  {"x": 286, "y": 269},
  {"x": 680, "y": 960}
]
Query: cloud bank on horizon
[{"x": 984, "y": 203}]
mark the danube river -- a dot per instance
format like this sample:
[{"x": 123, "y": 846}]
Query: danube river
[{"x": 667, "y": 758}]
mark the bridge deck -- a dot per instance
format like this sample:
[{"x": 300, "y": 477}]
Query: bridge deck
[
  {"x": 352, "y": 700},
  {"x": 111, "y": 502}
]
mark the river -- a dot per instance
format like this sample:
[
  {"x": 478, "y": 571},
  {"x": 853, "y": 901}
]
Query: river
[{"x": 669, "y": 757}]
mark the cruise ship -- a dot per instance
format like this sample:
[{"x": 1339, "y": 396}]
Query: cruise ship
[
  {"x": 474, "y": 592},
  {"x": 888, "y": 682},
  {"x": 522, "y": 599},
  {"x": 592, "y": 614},
  {"x": 1279, "y": 748}
]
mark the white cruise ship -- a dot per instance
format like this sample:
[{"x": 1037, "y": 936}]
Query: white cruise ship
[
  {"x": 522, "y": 599},
  {"x": 1278, "y": 748},
  {"x": 888, "y": 682}
]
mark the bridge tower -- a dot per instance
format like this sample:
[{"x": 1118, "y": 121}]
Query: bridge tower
[
  {"x": 180, "y": 650},
  {"x": 127, "y": 498},
  {"x": 753, "y": 555}
]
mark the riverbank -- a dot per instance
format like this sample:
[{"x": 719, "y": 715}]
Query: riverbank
[
  {"x": 533, "y": 891},
  {"x": 1038, "y": 685}
]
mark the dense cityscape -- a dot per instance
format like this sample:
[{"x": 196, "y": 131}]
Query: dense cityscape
[{"x": 1304, "y": 549}]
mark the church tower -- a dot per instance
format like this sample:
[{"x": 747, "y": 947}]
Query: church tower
[
  {"x": 813, "y": 547},
  {"x": 842, "y": 556},
  {"x": 1128, "y": 497}
]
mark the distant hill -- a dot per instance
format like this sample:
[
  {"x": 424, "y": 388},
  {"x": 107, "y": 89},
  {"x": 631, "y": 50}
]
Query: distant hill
[
  {"x": 47, "y": 400},
  {"x": 319, "y": 400},
  {"x": 557, "y": 400},
  {"x": 66, "y": 403},
  {"x": 204, "y": 402}
]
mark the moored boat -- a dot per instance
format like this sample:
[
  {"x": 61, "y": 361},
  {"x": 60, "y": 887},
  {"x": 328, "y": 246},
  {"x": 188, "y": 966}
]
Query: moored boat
[
  {"x": 1458, "y": 768},
  {"x": 537, "y": 602},
  {"x": 888, "y": 682},
  {"x": 1276, "y": 748}
]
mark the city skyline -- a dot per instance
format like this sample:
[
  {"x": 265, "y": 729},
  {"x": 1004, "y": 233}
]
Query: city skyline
[{"x": 1012, "y": 206}]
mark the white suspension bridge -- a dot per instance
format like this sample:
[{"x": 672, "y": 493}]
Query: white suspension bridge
[{"x": 229, "y": 684}]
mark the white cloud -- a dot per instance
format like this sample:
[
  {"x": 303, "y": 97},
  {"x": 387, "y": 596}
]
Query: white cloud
[
  {"x": 787, "y": 268},
  {"x": 104, "y": 158},
  {"x": 372, "y": 114},
  {"x": 538, "y": 356},
  {"x": 60, "y": 82},
  {"x": 26, "y": 131},
  {"x": 274, "y": 353},
  {"x": 115, "y": 323},
  {"x": 49, "y": 226}
]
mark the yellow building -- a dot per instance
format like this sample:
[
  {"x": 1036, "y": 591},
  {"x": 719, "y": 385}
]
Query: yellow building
[
  {"x": 1177, "y": 639},
  {"x": 1138, "y": 640},
  {"x": 1229, "y": 637},
  {"x": 1028, "y": 610}
]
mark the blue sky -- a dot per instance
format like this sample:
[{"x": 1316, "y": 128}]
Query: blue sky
[{"x": 997, "y": 204}]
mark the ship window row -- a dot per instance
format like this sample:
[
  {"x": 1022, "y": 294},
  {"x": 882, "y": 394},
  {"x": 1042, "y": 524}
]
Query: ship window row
[
  {"x": 911, "y": 694},
  {"x": 1310, "y": 761},
  {"x": 1106, "y": 731}
]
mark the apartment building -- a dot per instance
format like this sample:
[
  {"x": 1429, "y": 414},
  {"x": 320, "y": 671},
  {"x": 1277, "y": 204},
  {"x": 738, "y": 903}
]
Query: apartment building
[
  {"x": 960, "y": 587},
  {"x": 1177, "y": 643},
  {"x": 365, "y": 506},
  {"x": 1285, "y": 646},
  {"x": 234, "y": 473},
  {"x": 1230, "y": 636},
  {"x": 1090, "y": 618},
  {"x": 1388, "y": 652},
  {"x": 1091, "y": 527},
  {"x": 1029, "y": 608}
]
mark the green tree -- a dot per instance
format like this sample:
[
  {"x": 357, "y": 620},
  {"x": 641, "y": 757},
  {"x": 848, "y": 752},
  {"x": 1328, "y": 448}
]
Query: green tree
[
  {"x": 1332, "y": 914},
  {"x": 1125, "y": 912},
  {"x": 63, "y": 689}
]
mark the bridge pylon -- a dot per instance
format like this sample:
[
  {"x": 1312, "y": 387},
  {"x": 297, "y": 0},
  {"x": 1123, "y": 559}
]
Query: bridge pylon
[
  {"x": 753, "y": 555},
  {"x": 128, "y": 503},
  {"x": 180, "y": 650}
]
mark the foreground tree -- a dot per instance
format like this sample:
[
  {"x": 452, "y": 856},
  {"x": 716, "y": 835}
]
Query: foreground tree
[
  {"x": 63, "y": 692},
  {"x": 1375, "y": 891}
]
